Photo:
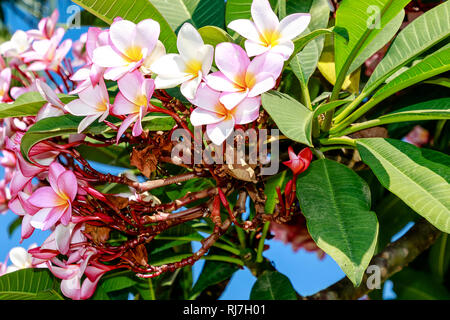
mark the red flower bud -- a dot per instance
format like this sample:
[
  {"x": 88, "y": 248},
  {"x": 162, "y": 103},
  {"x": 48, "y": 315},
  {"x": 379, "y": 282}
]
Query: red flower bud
[{"x": 298, "y": 163}]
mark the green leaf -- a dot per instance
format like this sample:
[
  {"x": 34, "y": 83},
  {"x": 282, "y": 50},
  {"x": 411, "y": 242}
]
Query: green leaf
[
  {"x": 237, "y": 9},
  {"x": 410, "y": 284},
  {"x": 278, "y": 180},
  {"x": 28, "y": 104},
  {"x": 292, "y": 118},
  {"x": 323, "y": 108},
  {"x": 423, "y": 33},
  {"x": 158, "y": 122},
  {"x": 29, "y": 284},
  {"x": 434, "y": 64},
  {"x": 213, "y": 272},
  {"x": 116, "y": 283},
  {"x": 364, "y": 21},
  {"x": 272, "y": 285},
  {"x": 133, "y": 10},
  {"x": 420, "y": 179},
  {"x": 381, "y": 39},
  {"x": 438, "y": 109},
  {"x": 213, "y": 35},
  {"x": 439, "y": 257},
  {"x": 393, "y": 215},
  {"x": 199, "y": 13},
  {"x": 17, "y": 222},
  {"x": 54, "y": 127},
  {"x": 336, "y": 205}
]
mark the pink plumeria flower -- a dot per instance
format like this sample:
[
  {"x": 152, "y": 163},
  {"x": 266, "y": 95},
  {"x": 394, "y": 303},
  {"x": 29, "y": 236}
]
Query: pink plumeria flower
[
  {"x": 133, "y": 100},
  {"x": 19, "y": 43},
  {"x": 93, "y": 103},
  {"x": 20, "y": 206},
  {"x": 239, "y": 77},
  {"x": 129, "y": 46},
  {"x": 47, "y": 54},
  {"x": 187, "y": 68},
  {"x": 5, "y": 81},
  {"x": 91, "y": 73},
  {"x": 219, "y": 120},
  {"x": 46, "y": 27},
  {"x": 56, "y": 200},
  {"x": 79, "y": 51},
  {"x": 266, "y": 33}
]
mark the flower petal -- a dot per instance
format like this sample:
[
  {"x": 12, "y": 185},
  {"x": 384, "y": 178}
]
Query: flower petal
[
  {"x": 107, "y": 57},
  {"x": 45, "y": 197},
  {"x": 130, "y": 86},
  {"x": 122, "y": 34},
  {"x": 80, "y": 108},
  {"x": 19, "y": 257},
  {"x": 169, "y": 66},
  {"x": 189, "y": 88},
  {"x": 232, "y": 99},
  {"x": 254, "y": 48},
  {"x": 245, "y": 28},
  {"x": 201, "y": 116},
  {"x": 218, "y": 132},
  {"x": 233, "y": 61},
  {"x": 87, "y": 121},
  {"x": 123, "y": 106},
  {"x": 68, "y": 184},
  {"x": 206, "y": 98},
  {"x": 218, "y": 81},
  {"x": 147, "y": 34},
  {"x": 247, "y": 111},
  {"x": 189, "y": 41},
  {"x": 263, "y": 16},
  {"x": 293, "y": 25}
]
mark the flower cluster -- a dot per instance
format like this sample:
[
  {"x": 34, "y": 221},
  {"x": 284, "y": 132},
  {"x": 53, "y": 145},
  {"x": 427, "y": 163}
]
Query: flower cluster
[{"x": 52, "y": 187}]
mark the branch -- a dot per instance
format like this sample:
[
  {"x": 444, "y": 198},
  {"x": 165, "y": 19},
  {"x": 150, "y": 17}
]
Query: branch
[{"x": 390, "y": 261}]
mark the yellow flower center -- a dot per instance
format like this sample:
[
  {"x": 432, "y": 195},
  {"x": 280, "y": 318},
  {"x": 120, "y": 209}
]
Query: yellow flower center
[
  {"x": 141, "y": 100},
  {"x": 102, "y": 106},
  {"x": 270, "y": 38},
  {"x": 134, "y": 53},
  {"x": 221, "y": 110},
  {"x": 193, "y": 67}
]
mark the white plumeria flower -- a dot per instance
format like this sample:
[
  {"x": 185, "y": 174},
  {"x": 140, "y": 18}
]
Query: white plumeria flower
[
  {"x": 187, "y": 68},
  {"x": 20, "y": 259},
  {"x": 93, "y": 103},
  {"x": 267, "y": 33},
  {"x": 19, "y": 43},
  {"x": 157, "y": 53}
]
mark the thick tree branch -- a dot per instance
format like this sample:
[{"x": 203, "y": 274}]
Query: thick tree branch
[{"x": 390, "y": 261}]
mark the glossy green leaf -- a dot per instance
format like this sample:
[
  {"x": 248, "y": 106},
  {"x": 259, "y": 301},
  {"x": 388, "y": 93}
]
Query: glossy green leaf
[
  {"x": 28, "y": 104},
  {"x": 423, "y": 33},
  {"x": 380, "y": 40},
  {"x": 29, "y": 284},
  {"x": 438, "y": 109},
  {"x": 53, "y": 127},
  {"x": 434, "y": 64},
  {"x": 213, "y": 272},
  {"x": 336, "y": 205},
  {"x": 439, "y": 257},
  {"x": 419, "y": 178},
  {"x": 292, "y": 118},
  {"x": 272, "y": 285},
  {"x": 199, "y": 13},
  {"x": 237, "y": 9},
  {"x": 410, "y": 284},
  {"x": 364, "y": 21},
  {"x": 133, "y": 10},
  {"x": 213, "y": 35}
]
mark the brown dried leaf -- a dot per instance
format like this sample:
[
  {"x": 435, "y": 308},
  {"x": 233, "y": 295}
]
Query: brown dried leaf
[
  {"x": 376, "y": 132},
  {"x": 119, "y": 202},
  {"x": 98, "y": 234},
  {"x": 138, "y": 254},
  {"x": 146, "y": 160}
]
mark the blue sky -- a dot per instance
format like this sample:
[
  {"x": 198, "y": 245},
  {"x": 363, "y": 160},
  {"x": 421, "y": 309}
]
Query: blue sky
[{"x": 307, "y": 273}]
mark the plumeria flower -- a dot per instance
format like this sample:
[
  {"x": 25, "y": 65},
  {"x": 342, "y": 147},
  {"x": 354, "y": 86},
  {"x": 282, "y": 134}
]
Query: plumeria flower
[
  {"x": 56, "y": 200},
  {"x": 20, "y": 259},
  {"x": 239, "y": 77},
  {"x": 219, "y": 120},
  {"x": 298, "y": 163},
  {"x": 47, "y": 54},
  {"x": 91, "y": 73},
  {"x": 133, "y": 100},
  {"x": 129, "y": 46},
  {"x": 187, "y": 68},
  {"x": 46, "y": 27},
  {"x": 79, "y": 51},
  {"x": 5, "y": 81},
  {"x": 19, "y": 43},
  {"x": 72, "y": 285},
  {"x": 266, "y": 33},
  {"x": 21, "y": 207},
  {"x": 93, "y": 103}
]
